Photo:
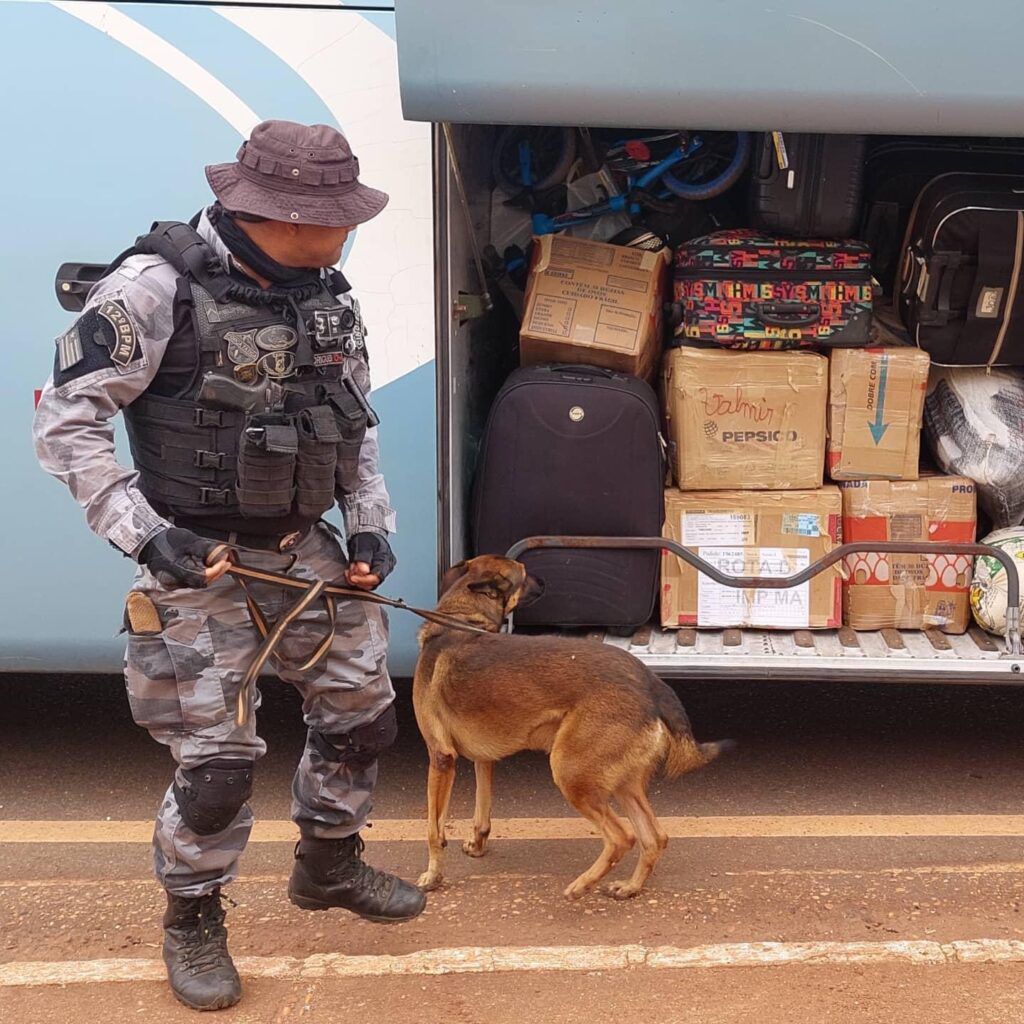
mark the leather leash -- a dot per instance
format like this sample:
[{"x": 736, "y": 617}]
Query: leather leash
[{"x": 312, "y": 591}]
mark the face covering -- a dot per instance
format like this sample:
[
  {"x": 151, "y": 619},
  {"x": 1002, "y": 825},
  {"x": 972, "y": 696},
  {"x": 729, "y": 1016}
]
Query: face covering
[{"x": 246, "y": 250}]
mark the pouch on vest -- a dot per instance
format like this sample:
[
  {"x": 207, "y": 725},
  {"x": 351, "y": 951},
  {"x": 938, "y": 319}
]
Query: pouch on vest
[
  {"x": 266, "y": 465},
  {"x": 351, "y": 414},
  {"x": 317, "y": 458}
]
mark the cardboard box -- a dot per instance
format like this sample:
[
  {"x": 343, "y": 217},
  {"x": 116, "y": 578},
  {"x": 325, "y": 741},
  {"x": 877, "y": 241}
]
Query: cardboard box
[
  {"x": 745, "y": 420},
  {"x": 876, "y": 399},
  {"x": 587, "y": 302},
  {"x": 752, "y": 533},
  {"x": 908, "y": 591}
]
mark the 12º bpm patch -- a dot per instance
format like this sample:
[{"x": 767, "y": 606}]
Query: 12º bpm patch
[{"x": 125, "y": 348}]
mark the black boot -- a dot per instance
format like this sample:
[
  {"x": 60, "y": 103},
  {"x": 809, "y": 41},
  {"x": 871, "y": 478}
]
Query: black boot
[
  {"x": 331, "y": 873},
  {"x": 199, "y": 966}
]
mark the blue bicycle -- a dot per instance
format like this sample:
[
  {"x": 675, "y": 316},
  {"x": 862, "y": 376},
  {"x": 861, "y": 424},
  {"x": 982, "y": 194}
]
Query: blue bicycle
[{"x": 655, "y": 169}]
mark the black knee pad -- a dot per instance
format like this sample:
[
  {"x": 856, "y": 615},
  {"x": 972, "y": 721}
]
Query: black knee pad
[
  {"x": 362, "y": 745},
  {"x": 213, "y": 794}
]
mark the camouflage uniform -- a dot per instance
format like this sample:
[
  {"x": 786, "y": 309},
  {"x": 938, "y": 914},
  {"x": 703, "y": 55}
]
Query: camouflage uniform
[{"x": 183, "y": 682}]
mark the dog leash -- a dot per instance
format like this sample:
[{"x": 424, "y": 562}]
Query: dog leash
[{"x": 311, "y": 591}]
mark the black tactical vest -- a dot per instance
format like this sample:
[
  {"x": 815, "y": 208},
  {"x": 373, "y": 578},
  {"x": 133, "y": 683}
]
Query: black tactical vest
[{"x": 274, "y": 402}]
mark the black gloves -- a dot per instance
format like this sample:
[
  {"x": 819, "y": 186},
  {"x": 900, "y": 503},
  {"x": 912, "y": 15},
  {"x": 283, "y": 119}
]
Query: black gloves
[
  {"x": 374, "y": 550},
  {"x": 177, "y": 557}
]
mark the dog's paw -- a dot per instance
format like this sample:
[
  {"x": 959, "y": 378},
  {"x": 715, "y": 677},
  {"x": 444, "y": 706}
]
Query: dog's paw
[
  {"x": 429, "y": 881},
  {"x": 575, "y": 892},
  {"x": 622, "y": 890},
  {"x": 472, "y": 848}
]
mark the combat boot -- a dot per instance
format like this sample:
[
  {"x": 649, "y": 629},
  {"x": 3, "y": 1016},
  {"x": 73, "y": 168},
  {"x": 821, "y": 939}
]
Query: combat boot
[
  {"x": 199, "y": 966},
  {"x": 332, "y": 873}
]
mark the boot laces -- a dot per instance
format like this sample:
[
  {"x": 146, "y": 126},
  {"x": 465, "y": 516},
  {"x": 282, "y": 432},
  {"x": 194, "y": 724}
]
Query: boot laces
[
  {"x": 205, "y": 945},
  {"x": 351, "y": 868}
]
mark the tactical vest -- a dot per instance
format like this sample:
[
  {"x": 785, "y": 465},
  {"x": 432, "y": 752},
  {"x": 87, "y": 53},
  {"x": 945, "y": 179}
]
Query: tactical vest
[{"x": 276, "y": 400}]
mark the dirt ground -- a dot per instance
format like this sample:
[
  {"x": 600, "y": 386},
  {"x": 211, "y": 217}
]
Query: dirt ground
[{"x": 862, "y": 764}]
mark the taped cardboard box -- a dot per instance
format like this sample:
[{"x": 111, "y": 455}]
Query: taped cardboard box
[
  {"x": 745, "y": 420},
  {"x": 908, "y": 591},
  {"x": 876, "y": 401},
  {"x": 752, "y": 533},
  {"x": 596, "y": 304}
]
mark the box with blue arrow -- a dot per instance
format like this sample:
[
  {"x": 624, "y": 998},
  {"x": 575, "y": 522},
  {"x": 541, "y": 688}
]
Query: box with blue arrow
[{"x": 876, "y": 401}]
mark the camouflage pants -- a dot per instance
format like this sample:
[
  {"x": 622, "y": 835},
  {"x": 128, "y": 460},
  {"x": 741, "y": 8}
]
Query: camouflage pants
[{"x": 183, "y": 686}]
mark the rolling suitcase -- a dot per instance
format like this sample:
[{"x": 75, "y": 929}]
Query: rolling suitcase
[
  {"x": 574, "y": 450},
  {"x": 807, "y": 186},
  {"x": 961, "y": 283}
]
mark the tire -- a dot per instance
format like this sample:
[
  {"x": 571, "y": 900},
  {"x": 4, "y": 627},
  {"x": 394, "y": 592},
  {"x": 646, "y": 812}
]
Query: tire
[
  {"x": 719, "y": 184},
  {"x": 556, "y": 148}
]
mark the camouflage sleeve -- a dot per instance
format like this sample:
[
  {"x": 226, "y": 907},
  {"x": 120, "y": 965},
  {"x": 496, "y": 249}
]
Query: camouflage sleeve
[
  {"x": 104, "y": 361},
  {"x": 361, "y": 492}
]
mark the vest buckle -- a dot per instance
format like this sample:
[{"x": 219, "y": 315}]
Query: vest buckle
[
  {"x": 207, "y": 417},
  {"x": 214, "y": 496},
  {"x": 208, "y": 460}
]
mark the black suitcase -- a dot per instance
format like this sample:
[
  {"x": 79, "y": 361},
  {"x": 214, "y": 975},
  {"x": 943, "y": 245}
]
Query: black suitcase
[
  {"x": 961, "y": 282},
  {"x": 574, "y": 450},
  {"x": 817, "y": 193},
  {"x": 895, "y": 172}
]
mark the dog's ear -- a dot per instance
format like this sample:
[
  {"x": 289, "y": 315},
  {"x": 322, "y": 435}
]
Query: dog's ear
[
  {"x": 496, "y": 586},
  {"x": 453, "y": 575}
]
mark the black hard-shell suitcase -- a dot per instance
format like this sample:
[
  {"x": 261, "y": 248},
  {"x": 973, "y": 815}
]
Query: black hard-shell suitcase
[
  {"x": 961, "y": 282},
  {"x": 817, "y": 193},
  {"x": 895, "y": 172},
  {"x": 574, "y": 450}
]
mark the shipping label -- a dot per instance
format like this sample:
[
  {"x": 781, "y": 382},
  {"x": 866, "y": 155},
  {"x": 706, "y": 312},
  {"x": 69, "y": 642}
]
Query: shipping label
[
  {"x": 698, "y": 528},
  {"x": 722, "y": 606}
]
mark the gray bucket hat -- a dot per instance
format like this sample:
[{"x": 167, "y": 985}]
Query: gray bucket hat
[{"x": 305, "y": 174}]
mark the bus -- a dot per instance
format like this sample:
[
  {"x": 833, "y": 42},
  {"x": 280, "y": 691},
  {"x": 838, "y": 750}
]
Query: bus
[{"x": 115, "y": 108}]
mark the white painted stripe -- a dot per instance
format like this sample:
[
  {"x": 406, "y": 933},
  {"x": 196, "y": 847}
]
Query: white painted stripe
[
  {"x": 794, "y": 826},
  {"x": 169, "y": 59},
  {"x": 518, "y": 959}
]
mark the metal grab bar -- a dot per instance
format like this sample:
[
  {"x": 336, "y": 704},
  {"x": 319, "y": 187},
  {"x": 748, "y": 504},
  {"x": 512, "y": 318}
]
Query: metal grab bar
[{"x": 1013, "y": 639}]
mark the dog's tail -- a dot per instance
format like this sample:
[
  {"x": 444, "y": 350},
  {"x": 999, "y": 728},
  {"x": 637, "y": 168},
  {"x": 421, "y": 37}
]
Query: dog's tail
[{"x": 684, "y": 753}]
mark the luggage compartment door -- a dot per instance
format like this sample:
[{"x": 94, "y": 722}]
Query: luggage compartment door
[{"x": 912, "y": 67}]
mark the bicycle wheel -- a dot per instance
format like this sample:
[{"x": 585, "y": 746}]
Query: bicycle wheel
[
  {"x": 551, "y": 154},
  {"x": 713, "y": 169}
]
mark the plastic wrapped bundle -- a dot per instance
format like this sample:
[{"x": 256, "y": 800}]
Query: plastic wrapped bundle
[{"x": 974, "y": 424}]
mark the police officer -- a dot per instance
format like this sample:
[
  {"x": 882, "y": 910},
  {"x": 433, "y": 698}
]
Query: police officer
[{"x": 238, "y": 359}]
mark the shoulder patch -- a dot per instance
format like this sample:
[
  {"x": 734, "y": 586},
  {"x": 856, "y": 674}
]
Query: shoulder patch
[
  {"x": 69, "y": 349},
  {"x": 124, "y": 348}
]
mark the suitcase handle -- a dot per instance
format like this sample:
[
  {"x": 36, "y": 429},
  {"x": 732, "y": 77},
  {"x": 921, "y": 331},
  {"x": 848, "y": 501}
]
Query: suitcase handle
[
  {"x": 789, "y": 314},
  {"x": 583, "y": 368}
]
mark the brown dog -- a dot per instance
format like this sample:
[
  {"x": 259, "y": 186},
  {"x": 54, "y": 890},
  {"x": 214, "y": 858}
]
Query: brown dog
[{"x": 606, "y": 720}]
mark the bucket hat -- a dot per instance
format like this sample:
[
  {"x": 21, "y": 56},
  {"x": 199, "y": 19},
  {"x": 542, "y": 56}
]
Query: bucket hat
[{"x": 305, "y": 174}]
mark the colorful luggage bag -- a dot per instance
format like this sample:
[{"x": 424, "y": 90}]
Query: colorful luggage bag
[{"x": 741, "y": 289}]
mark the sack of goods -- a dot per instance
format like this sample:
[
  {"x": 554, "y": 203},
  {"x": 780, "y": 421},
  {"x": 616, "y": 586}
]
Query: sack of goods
[
  {"x": 988, "y": 591},
  {"x": 972, "y": 420},
  {"x": 742, "y": 289},
  {"x": 903, "y": 590}
]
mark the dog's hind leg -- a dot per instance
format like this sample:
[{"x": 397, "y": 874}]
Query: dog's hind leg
[
  {"x": 440, "y": 778},
  {"x": 477, "y": 846},
  {"x": 653, "y": 839}
]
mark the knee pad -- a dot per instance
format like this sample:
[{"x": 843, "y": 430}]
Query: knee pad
[
  {"x": 213, "y": 794},
  {"x": 360, "y": 747}
]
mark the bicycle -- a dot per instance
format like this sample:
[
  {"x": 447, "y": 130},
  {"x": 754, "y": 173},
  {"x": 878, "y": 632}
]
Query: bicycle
[{"x": 656, "y": 168}]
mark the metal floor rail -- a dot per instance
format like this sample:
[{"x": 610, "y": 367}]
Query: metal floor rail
[{"x": 886, "y": 655}]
